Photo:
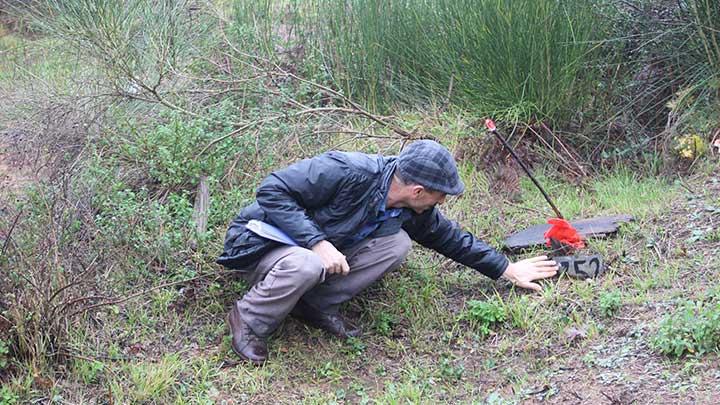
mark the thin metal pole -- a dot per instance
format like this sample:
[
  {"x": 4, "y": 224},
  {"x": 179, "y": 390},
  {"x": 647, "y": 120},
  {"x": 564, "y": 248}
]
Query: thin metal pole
[{"x": 527, "y": 171}]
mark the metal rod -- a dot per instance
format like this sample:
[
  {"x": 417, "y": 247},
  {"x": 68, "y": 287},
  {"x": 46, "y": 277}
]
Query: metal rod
[{"x": 527, "y": 171}]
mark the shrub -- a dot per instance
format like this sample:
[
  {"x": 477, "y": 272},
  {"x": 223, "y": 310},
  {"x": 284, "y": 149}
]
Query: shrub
[
  {"x": 137, "y": 44},
  {"x": 51, "y": 272}
]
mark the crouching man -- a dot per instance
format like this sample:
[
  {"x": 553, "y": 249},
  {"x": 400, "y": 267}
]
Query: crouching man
[{"x": 324, "y": 229}]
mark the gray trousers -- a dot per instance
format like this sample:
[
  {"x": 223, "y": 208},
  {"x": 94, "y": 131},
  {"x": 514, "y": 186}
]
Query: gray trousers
[{"x": 289, "y": 274}]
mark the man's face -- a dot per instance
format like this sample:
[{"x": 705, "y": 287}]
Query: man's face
[{"x": 423, "y": 199}]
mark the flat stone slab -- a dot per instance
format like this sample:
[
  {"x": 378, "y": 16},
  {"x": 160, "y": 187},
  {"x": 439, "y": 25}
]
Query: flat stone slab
[{"x": 598, "y": 227}]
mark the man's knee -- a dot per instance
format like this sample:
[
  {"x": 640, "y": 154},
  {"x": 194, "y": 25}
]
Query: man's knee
[{"x": 305, "y": 265}]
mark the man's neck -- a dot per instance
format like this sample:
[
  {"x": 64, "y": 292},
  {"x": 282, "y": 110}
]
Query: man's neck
[{"x": 394, "y": 195}]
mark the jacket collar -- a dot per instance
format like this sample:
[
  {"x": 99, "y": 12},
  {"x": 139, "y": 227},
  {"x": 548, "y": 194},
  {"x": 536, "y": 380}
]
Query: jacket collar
[{"x": 386, "y": 178}]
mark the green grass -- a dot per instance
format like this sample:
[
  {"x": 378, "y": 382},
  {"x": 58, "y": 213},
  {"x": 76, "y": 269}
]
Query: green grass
[{"x": 51, "y": 65}]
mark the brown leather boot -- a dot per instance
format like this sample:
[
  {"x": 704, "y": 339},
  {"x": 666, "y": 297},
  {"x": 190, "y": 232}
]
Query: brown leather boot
[
  {"x": 245, "y": 343},
  {"x": 334, "y": 324}
]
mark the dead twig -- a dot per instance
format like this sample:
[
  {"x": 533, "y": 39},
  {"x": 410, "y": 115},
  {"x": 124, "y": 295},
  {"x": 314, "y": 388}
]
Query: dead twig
[
  {"x": 562, "y": 145},
  {"x": 345, "y": 131},
  {"x": 149, "y": 290},
  {"x": 358, "y": 109},
  {"x": 685, "y": 186},
  {"x": 277, "y": 117},
  {"x": 8, "y": 237}
]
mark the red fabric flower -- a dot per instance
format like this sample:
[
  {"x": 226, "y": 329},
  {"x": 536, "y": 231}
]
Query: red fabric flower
[{"x": 562, "y": 231}]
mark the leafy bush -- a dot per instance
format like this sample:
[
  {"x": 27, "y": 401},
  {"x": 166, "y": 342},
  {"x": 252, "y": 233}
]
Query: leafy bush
[
  {"x": 693, "y": 328},
  {"x": 484, "y": 314},
  {"x": 167, "y": 151}
]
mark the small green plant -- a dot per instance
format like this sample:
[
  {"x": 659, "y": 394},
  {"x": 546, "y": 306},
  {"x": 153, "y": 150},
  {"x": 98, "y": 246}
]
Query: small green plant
[
  {"x": 151, "y": 381},
  {"x": 328, "y": 370},
  {"x": 449, "y": 370},
  {"x": 694, "y": 328},
  {"x": 354, "y": 346},
  {"x": 610, "y": 303},
  {"x": 484, "y": 314},
  {"x": 7, "y": 397},
  {"x": 384, "y": 322},
  {"x": 88, "y": 371},
  {"x": 4, "y": 351}
]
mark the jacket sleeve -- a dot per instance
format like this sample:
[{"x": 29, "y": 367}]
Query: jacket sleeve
[
  {"x": 289, "y": 195},
  {"x": 432, "y": 230}
]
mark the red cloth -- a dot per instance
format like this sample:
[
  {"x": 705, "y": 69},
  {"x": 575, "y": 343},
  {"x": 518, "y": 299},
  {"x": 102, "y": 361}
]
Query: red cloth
[{"x": 562, "y": 231}]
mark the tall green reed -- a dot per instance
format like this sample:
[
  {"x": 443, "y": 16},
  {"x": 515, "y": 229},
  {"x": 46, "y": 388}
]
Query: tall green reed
[
  {"x": 517, "y": 59},
  {"x": 706, "y": 16}
]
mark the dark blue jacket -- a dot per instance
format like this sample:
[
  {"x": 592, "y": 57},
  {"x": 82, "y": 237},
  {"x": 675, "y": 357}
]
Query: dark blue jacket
[{"x": 330, "y": 197}]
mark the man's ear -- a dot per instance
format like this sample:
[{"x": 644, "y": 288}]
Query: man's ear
[{"x": 417, "y": 190}]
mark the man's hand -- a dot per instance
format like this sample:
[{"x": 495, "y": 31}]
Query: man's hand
[
  {"x": 333, "y": 261},
  {"x": 524, "y": 272}
]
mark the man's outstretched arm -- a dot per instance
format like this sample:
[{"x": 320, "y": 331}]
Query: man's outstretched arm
[{"x": 432, "y": 230}]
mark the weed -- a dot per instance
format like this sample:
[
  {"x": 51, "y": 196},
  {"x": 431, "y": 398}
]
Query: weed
[
  {"x": 384, "y": 322},
  {"x": 402, "y": 393},
  {"x": 354, "y": 346},
  {"x": 151, "y": 381},
  {"x": 4, "y": 351},
  {"x": 484, "y": 314},
  {"x": 693, "y": 328},
  {"x": 610, "y": 302},
  {"x": 7, "y": 396},
  {"x": 88, "y": 371},
  {"x": 328, "y": 370},
  {"x": 522, "y": 312},
  {"x": 449, "y": 370}
]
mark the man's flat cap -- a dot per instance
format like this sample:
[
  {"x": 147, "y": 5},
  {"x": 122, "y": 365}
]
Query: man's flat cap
[{"x": 430, "y": 165}]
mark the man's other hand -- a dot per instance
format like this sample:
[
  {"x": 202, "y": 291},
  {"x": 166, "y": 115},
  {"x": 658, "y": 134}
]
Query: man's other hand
[
  {"x": 524, "y": 272},
  {"x": 333, "y": 261}
]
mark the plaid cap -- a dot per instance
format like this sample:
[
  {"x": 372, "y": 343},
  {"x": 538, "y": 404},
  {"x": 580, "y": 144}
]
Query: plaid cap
[{"x": 429, "y": 164}]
